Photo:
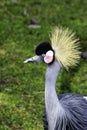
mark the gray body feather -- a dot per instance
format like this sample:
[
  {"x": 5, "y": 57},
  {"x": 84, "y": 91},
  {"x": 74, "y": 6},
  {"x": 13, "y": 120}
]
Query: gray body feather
[
  {"x": 75, "y": 107},
  {"x": 65, "y": 112}
]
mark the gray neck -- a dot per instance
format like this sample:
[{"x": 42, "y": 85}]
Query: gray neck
[{"x": 53, "y": 106}]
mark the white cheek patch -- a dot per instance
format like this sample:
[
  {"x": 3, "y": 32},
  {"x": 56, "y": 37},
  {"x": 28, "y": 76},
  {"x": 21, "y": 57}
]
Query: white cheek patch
[
  {"x": 85, "y": 97},
  {"x": 48, "y": 57},
  {"x": 49, "y": 53}
]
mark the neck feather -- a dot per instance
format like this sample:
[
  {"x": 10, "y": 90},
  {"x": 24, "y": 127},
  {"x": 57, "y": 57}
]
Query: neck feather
[
  {"x": 53, "y": 106},
  {"x": 50, "y": 84}
]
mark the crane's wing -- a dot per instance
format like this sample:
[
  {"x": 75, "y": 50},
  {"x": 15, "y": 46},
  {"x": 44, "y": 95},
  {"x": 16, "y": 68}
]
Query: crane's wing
[{"x": 75, "y": 106}]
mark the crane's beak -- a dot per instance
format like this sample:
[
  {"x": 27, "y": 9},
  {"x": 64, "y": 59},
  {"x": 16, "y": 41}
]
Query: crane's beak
[{"x": 34, "y": 59}]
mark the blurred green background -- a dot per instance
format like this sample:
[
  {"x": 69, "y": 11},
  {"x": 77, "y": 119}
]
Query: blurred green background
[{"x": 23, "y": 25}]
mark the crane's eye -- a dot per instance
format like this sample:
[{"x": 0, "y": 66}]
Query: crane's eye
[{"x": 43, "y": 55}]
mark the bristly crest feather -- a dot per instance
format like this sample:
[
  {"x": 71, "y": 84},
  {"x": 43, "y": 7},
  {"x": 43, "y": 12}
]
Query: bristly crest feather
[{"x": 66, "y": 46}]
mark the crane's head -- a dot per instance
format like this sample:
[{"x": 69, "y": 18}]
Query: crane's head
[
  {"x": 64, "y": 48},
  {"x": 44, "y": 53}
]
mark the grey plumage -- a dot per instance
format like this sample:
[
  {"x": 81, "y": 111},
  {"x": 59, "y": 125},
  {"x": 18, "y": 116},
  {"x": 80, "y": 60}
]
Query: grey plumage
[
  {"x": 84, "y": 55},
  {"x": 76, "y": 116},
  {"x": 65, "y": 112}
]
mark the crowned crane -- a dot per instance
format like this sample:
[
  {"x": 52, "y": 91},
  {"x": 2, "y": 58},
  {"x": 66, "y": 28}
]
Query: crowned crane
[{"x": 65, "y": 111}]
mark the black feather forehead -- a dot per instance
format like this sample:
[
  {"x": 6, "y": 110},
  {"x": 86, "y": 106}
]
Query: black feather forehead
[{"x": 42, "y": 48}]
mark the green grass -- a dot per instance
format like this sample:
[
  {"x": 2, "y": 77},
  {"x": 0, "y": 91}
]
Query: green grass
[{"x": 22, "y": 86}]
